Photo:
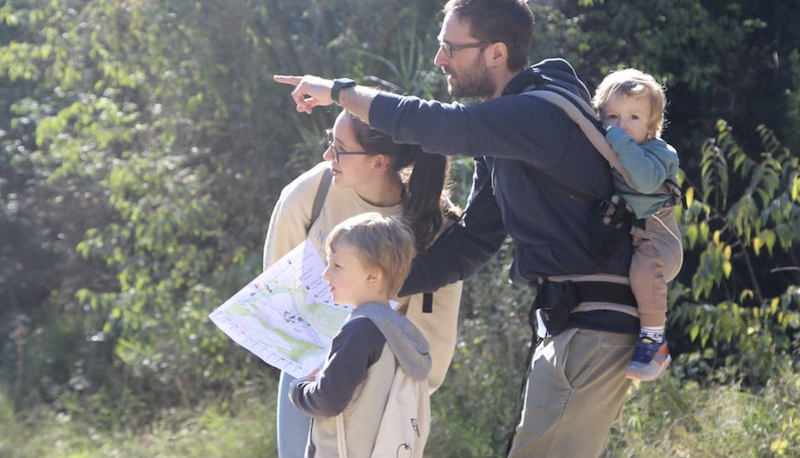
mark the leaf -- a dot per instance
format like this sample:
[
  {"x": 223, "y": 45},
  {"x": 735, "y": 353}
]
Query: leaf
[{"x": 689, "y": 196}]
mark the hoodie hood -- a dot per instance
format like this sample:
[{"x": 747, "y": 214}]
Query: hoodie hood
[
  {"x": 555, "y": 71},
  {"x": 406, "y": 341}
]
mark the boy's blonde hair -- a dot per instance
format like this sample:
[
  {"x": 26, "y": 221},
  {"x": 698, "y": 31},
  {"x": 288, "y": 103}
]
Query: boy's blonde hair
[
  {"x": 381, "y": 242},
  {"x": 631, "y": 82}
]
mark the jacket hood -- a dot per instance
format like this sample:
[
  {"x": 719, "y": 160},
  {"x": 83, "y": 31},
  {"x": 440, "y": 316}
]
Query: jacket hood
[
  {"x": 555, "y": 71},
  {"x": 406, "y": 341}
]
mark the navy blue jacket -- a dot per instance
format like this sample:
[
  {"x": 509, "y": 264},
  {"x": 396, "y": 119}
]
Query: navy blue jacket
[{"x": 508, "y": 135}]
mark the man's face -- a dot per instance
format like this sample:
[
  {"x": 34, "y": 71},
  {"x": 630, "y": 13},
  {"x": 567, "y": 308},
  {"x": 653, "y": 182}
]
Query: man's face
[{"x": 467, "y": 72}]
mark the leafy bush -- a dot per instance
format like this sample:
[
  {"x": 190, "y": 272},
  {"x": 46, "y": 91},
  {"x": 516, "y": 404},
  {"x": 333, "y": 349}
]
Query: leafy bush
[{"x": 741, "y": 228}]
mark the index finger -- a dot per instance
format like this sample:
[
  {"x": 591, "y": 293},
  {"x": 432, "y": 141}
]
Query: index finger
[{"x": 285, "y": 79}]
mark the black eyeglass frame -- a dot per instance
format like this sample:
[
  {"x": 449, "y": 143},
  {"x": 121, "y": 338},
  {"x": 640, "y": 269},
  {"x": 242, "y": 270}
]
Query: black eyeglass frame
[
  {"x": 337, "y": 152},
  {"x": 450, "y": 49}
]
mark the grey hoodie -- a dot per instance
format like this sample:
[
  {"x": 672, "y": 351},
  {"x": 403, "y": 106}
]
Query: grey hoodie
[{"x": 357, "y": 376}]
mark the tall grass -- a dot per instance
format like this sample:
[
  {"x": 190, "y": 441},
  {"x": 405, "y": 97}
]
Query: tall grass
[
  {"x": 224, "y": 428},
  {"x": 665, "y": 419},
  {"x": 671, "y": 419}
]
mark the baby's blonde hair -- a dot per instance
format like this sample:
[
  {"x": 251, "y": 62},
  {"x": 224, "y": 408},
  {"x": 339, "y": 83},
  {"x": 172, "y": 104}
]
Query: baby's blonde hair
[
  {"x": 381, "y": 242},
  {"x": 631, "y": 82}
]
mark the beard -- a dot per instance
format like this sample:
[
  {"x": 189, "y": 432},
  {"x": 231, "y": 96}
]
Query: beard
[{"x": 473, "y": 82}]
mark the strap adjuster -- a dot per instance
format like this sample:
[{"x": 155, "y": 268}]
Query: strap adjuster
[{"x": 614, "y": 211}]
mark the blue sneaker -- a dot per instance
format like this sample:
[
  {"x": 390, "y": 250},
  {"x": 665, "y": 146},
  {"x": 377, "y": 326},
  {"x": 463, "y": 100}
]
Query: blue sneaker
[{"x": 649, "y": 361}]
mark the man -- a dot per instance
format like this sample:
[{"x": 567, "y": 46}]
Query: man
[{"x": 528, "y": 154}]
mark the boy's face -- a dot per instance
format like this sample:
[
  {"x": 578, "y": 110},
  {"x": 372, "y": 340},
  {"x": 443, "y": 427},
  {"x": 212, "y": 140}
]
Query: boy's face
[
  {"x": 631, "y": 114},
  {"x": 351, "y": 282}
]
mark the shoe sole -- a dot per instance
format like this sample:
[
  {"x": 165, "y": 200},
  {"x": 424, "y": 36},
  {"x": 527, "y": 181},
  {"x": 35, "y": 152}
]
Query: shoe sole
[{"x": 658, "y": 375}]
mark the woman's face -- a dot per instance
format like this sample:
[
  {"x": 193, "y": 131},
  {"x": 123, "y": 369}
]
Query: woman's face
[{"x": 352, "y": 170}]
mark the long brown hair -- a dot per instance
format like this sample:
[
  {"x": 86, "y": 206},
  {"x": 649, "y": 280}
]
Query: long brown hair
[{"x": 423, "y": 175}]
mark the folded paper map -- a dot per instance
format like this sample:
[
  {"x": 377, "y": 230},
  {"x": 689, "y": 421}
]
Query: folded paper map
[{"x": 285, "y": 316}]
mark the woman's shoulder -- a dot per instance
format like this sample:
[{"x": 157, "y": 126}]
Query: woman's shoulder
[{"x": 306, "y": 184}]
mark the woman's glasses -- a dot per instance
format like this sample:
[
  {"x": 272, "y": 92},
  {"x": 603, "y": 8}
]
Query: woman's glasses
[{"x": 336, "y": 151}]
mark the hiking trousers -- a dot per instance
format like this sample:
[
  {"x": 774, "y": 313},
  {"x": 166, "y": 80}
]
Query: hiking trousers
[{"x": 575, "y": 391}]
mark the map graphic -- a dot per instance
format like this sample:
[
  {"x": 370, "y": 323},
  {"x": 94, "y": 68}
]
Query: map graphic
[{"x": 285, "y": 316}]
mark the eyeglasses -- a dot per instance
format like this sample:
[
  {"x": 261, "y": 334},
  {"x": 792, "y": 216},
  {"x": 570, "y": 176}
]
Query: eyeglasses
[
  {"x": 450, "y": 49},
  {"x": 336, "y": 151}
]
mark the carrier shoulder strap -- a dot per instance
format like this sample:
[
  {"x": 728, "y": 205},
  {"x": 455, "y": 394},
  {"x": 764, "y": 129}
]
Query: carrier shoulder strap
[
  {"x": 319, "y": 198},
  {"x": 584, "y": 116}
]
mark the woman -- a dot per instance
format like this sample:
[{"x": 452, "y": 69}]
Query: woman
[{"x": 370, "y": 173}]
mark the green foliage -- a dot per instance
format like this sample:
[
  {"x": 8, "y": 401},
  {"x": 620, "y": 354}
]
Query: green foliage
[
  {"x": 243, "y": 425},
  {"x": 728, "y": 60},
  {"x": 742, "y": 225},
  {"x": 670, "y": 419}
]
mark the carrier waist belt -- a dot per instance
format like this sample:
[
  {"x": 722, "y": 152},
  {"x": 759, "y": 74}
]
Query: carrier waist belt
[{"x": 600, "y": 291}]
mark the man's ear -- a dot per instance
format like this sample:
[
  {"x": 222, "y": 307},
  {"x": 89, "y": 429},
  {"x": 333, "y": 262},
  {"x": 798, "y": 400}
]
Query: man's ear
[{"x": 497, "y": 55}]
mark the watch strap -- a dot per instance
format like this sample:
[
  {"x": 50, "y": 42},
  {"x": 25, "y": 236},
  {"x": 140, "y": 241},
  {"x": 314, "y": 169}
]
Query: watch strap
[{"x": 338, "y": 85}]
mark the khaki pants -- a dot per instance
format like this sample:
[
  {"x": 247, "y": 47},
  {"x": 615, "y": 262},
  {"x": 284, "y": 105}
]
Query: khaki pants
[
  {"x": 657, "y": 259},
  {"x": 575, "y": 391}
]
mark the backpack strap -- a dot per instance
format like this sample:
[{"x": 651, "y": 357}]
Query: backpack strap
[
  {"x": 319, "y": 198},
  {"x": 584, "y": 116},
  {"x": 427, "y": 302}
]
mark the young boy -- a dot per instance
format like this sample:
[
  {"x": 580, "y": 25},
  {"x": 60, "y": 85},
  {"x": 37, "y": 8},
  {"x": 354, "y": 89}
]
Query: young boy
[
  {"x": 369, "y": 257},
  {"x": 631, "y": 106}
]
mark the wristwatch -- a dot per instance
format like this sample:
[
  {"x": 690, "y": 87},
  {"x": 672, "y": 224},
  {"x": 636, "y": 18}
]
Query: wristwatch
[{"x": 338, "y": 85}]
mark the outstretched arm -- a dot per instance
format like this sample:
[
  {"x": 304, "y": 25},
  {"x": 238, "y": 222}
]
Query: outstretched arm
[{"x": 313, "y": 91}]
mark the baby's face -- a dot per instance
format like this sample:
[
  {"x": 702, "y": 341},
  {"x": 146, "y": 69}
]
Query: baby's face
[{"x": 632, "y": 114}]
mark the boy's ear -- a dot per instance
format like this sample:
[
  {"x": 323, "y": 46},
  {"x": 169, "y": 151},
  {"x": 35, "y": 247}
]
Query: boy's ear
[
  {"x": 374, "y": 277},
  {"x": 651, "y": 133}
]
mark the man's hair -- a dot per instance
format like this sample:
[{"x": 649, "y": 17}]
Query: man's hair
[
  {"x": 631, "y": 82},
  {"x": 380, "y": 242},
  {"x": 507, "y": 21}
]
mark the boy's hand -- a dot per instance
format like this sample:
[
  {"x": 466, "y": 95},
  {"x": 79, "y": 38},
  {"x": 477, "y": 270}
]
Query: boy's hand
[{"x": 312, "y": 376}]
